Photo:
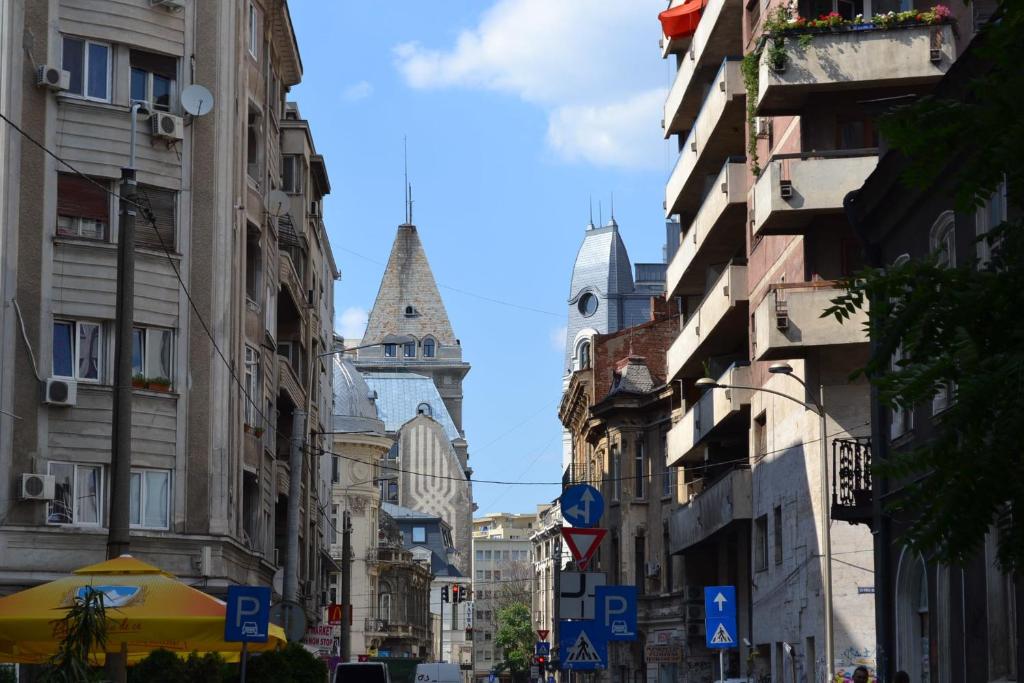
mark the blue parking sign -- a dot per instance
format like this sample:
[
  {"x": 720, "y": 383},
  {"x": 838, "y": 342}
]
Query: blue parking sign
[
  {"x": 248, "y": 614},
  {"x": 616, "y": 611}
]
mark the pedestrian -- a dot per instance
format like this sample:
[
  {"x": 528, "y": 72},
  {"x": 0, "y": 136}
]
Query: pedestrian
[
  {"x": 861, "y": 675},
  {"x": 901, "y": 677}
]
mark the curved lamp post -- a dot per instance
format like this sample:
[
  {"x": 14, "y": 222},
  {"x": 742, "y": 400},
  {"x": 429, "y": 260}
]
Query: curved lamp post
[{"x": 818, "y": 406}]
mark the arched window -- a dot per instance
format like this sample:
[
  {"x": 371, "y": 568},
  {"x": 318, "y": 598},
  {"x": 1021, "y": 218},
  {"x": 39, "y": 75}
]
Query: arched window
[
  {"x": 912, "y": 614},
  {"x": 942, "y": 239},
  {"x": 424, "y": 409},
  {"x": 410, "y": 312},
  {"x": 584, "y": 355},
  {"x": 384, "y": 605},
  {"x": 428, "y": 348}
]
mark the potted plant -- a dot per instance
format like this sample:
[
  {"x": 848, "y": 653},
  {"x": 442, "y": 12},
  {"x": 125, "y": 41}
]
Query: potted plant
[
  {"x": 160, "y": 384},
  {"x": 257, "y": 432},
  {"x": 140, "y": 382}
]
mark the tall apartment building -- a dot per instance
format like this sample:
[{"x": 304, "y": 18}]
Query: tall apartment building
[
  {"x": 502, "y": 573},
  {"x": 221, "y": 361},
  {"x": 758, "y": 190}
]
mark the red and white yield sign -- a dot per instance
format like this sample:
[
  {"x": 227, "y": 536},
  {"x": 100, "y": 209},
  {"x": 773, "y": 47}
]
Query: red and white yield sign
[
  {"x": 542, "y": 634},
  {"x": 583, "y": 543}
]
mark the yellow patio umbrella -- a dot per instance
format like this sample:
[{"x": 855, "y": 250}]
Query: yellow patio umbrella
[{"x": 146, "y": 609}]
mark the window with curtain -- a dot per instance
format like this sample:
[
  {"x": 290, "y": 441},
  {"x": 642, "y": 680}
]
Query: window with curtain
[
  {"x": 152, "y": 349},
  {"x": 88, "y": 62},
  {"x": 78, "y": 494},
  {"x": 83, "y": 207},
  {"x": 78, "y": 350},
  {"x": 153, "y": 79},
  {"x": 150, "y": 499}
]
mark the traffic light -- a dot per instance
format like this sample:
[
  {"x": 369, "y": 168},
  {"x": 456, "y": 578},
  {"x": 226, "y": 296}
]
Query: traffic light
[
  {"x": 541, "y": 661},
  {"x": 444, "y": 593},
  {"x": 456, "y": 593}
]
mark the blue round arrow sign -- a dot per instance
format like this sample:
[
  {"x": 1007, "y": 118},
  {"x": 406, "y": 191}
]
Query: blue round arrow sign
[{"x": 582, "y": 505}]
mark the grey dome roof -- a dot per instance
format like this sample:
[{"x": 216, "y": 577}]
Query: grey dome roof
[
  {"x": 602, "y": 263},
  {"x": 354, "y": 408}
]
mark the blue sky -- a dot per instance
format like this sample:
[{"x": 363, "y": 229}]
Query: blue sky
[{"x": 516, "y": 112}]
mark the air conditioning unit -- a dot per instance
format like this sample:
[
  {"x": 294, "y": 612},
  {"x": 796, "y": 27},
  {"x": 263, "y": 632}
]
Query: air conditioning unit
[
  {"x": 173, "y": 5},
  {"x": 60, "y": 392},
  {"x": 53, "y": 78},
  {"x": 167, "y": 126},
  {"x": 653, "y": 569},
  {"x": 695, "y": 612},
  {"x": 37, "y": 487},
  {"x": 781, "y": 314},
  {"x": 693, "y": 594},
  {"x": 695, "y": 630}
]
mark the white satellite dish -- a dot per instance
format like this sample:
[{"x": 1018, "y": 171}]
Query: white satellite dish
[
  {"x": 277, "y": 203},
  {"x": 196, "y": 100}
]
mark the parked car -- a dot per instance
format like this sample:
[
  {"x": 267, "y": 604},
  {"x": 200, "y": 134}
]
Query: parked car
[
  {"x": 437, "y": 672},
  {"x": 362, "y": 672}
]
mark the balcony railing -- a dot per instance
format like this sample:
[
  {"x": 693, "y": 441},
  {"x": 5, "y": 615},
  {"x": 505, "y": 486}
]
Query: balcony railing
[{"x": 851, "y": 480}]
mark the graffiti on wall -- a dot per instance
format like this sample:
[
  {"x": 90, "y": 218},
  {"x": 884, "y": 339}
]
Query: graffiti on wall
[{"x": 849, "y": 659}]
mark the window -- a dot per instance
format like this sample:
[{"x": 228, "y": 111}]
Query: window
[
  {"x": 666, "y": 546},
  {"x": 989, "y": 216},
  {"x": 639, "y": 557},
  {"x": 616, "y": 475},
  {"x": 479, "y": 555},
  {"x": 254, "y": 145},
  {"x": 497, "y": 575},
  {"x": 83, "y": 209},
  {"x": 639, "y": 470},
  {"x": 409, "y": 349},
  {"x": 384, "y": 604},
  {"x": 487, "y": 574},
  {"x": 78, "y": 494},
  {"x": 428, "y": 348},
  {"x": 419, "y": 534},
  {"x": 255, "y": 30},
  {"x": 293, "y": 172},
  {"x": 487, "y": 555},
  {"x": 78, "y": 350},
  {"x": 479, "y": 574},
  {"x": 391, "y": 350},
  {"x": 587, "y": 305},
  {"x": 584, "y": 355},
  {"x": 150, "y": 499},
  {"x": 152, "y": 353},
  {"x": 761, "y": 543},
  {"x": 252, "y": 383},
  {"x": 668, "y": 476},
  {"x": 153, "y": 78},
  {"x": 777, "y": 514},
  {"x": 760, "y": 435},
  {"x": 160, "y": 232},
  {"x": 902, "y": 416},
  {"x": 253, "y": 264},
  {"x": 89, "y": 65},
  {"x": 942, "y": 239}
]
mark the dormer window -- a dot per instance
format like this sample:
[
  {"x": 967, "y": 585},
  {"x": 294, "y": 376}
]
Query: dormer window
[
  {"x": 390, "y": 350},
  {"x": 409, "y": 349},
  {"x": 424, "y": 409},
  {"x": 428, "y": 348},
  {"x": 411, "y": 312}
]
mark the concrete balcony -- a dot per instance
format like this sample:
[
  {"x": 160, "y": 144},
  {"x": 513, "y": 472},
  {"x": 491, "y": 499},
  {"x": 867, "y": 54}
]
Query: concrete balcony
[
  {"x": 671, "y": 46},
  {"x": 718, "y": 325},
  {"x": 719, "y": 35},
  {"x": 867, "y": 59},
  {"x": 717, "y": 412},
  {"x": 717, "y": 133},
  {"x": 716, "y": 233},
  {"x": 796, "y": 188},
  {"x": 726, "y": 501},
  {"x": 289, "y": 381},
  {"x": 788, "y": 321}
]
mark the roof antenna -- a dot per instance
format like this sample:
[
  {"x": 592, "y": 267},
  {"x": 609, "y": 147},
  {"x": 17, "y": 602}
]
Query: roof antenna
[
  {"x": 408, "y": 186},
  {"x": 600, "y": 213},
  {"x": 612, "y": 221},
  {"x": 590, "y": 225}
]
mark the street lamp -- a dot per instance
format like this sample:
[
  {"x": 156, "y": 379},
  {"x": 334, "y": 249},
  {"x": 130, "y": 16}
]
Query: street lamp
[{"x": 818, "y": 406}]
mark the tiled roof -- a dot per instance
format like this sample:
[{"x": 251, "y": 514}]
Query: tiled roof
[{"x": 399, "y": 395}]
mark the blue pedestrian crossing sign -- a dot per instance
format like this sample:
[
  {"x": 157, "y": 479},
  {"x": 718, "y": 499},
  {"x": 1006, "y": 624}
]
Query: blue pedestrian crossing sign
[
  {"x": 542, "y": 648},
  {"x": 720, "y": 617},
  {"x": 583, "y": 645},
  {"x": 582, "y": 506}
]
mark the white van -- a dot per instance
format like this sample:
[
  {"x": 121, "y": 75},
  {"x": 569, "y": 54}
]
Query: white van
[{"x": 436, "y": 672}]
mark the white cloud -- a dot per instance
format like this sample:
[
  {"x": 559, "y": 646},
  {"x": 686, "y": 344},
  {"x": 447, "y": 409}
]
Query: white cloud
[
  {"x": 557, "y": 339},
  {"x": 572, "y": 57},
  {"x": 625, "y": 134},
  {"x": 357, "y": 91},
  {"x": 351, "y": 323}
]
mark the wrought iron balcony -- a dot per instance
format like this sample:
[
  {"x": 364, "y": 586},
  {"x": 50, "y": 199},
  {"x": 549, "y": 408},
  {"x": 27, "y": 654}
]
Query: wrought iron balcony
[{"x": 851, "y": 480}]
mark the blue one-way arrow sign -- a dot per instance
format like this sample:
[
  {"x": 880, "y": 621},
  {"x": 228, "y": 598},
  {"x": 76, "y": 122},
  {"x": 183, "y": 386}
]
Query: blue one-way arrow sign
[
  {"x": 582, "y": 505},
  {"x": 720, "y": 617}
]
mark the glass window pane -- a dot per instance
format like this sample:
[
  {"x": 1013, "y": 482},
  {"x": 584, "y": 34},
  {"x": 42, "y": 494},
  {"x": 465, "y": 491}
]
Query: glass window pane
[
  {"x": 138, "y": 344},
  {"x": 63, "y": 350},
  {"x": 66, "y": 226},
  {"x": 97, "y": 82},
  {"x": 139, "y": 85},
  {"x": 161, "y": 92},
  {"x": 87, "y": 494},
  {"x": 88, "y": 351},
  {"x": 73, "y": 61},
  {"x": 60, "y": 510},
  {"x": 93, "y": 229},
  {"x": 157, "y": 489},
  {"x": 159, "y": 358},
  {"x": 135, "y": 510}
]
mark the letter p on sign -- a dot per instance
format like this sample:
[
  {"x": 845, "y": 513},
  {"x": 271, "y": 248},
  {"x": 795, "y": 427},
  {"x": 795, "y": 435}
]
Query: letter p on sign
[{"x": 247, "y": 619}]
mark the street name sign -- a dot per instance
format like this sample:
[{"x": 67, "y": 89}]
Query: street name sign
[
  {"x": 582, "y": 505},
  {"x": 577, "y": 592},
  {"x": 720, "y": 617},
  {"x": 248, "y": 614},
  {"x": 583, "y": 543},
  {"x": 616, "y": 611},
  {"x": 583, "y": 646}
]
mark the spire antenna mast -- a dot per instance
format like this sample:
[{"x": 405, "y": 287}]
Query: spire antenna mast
[{"x": 408, "y": 187}]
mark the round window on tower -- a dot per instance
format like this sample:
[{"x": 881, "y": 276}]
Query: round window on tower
[{"x": 587, "y": 305}]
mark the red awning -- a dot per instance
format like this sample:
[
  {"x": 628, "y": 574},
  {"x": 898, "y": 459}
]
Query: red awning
[{"x": 681, "y": 21}]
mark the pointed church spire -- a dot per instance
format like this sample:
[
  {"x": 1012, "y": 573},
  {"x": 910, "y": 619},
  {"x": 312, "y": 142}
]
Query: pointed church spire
[{"x": 408, "y": 302}]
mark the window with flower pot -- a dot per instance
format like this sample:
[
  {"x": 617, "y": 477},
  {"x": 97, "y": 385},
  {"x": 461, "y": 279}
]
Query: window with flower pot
[{"x": 152, "y": 358}]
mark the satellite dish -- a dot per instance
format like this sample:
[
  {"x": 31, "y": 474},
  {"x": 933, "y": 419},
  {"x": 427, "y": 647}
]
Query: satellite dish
[
  {"x": 196, "y": 100},
  {"x": 277, "y": 203}
]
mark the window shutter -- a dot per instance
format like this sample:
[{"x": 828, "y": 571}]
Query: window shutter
[
  {"x": 159, "y": 233},
  {"x": 78, "y": 197}
]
